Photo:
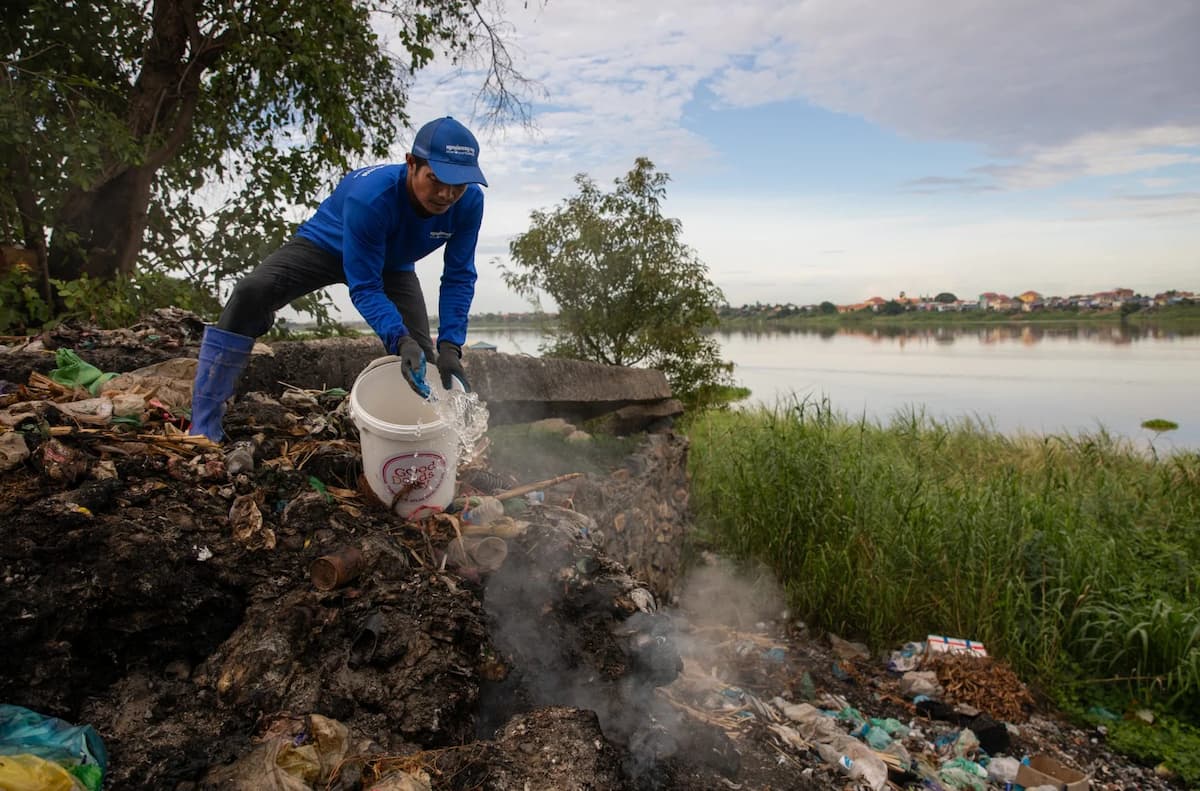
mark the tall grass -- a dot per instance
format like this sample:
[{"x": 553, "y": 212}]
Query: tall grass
[{"x": 1075, "y": 555}]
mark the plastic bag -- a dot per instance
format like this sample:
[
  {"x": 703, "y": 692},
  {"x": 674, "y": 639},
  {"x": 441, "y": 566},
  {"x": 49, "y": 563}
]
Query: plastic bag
[
  {"x": 77, "y": 749},
  {"x": 298, "y": 759},
  {"x": 29, "y": 773},
  {"x": 72, "y": 371}
]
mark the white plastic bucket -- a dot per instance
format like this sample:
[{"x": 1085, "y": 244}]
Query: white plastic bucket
[{"x": 409, "y": 453}]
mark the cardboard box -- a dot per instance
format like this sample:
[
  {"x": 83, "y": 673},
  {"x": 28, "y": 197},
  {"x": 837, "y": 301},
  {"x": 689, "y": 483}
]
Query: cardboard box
[
  {"x": 1043, "y": 770},
  {"x": 938, "y": 644}
]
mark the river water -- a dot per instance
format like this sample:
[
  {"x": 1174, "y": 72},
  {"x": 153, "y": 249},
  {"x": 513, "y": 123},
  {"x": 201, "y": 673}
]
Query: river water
[{"x": 1027, "y": 378}]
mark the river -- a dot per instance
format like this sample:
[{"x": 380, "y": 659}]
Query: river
[{"x": 1017, "y": 378}]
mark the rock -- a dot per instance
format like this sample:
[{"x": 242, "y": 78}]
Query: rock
[
  {"x": 626, "y": 507},
  {"x": 517, "y": 388},
  {"x": 848, "y": 650},
  {"x": 635, "y": 418},
  {"x": 579, "y": 438},
  {"x": 551, "y": 425}
]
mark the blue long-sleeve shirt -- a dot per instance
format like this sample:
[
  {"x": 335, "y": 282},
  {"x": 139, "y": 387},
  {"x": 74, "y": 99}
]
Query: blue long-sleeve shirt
[{"x": 370, "y": 221}]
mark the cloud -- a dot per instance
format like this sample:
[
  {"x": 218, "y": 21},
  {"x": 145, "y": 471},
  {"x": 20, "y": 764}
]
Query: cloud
[
  {"x": 1052, "y": 91},
  {"x": 1149, "y": 206},
  {"x": 1007, "y": 74},
  {"x": 931, "y": 185},
  {"x": 1100, "y": 154}
]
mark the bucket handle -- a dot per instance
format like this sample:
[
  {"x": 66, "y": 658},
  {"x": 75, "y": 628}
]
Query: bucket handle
[{"x": 387, "y": 359}]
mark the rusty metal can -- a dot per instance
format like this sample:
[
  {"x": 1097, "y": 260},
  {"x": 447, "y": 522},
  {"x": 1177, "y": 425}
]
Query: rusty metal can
[{"x": 335, "y": 570}]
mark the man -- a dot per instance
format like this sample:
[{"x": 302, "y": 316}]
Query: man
[{"x": 368, "y": 234}]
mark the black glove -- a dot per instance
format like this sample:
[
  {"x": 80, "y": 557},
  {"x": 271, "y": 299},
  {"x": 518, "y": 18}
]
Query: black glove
[
  {"x": 449, "y": 364},
  {"x": 412, "y": 365}
]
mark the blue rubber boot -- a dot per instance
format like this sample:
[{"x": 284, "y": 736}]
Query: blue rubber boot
[{"x": 223, "y": 357}]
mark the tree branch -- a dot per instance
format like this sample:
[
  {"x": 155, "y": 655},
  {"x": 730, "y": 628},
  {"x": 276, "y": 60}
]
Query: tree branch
[{"x": 499, "y": 90}]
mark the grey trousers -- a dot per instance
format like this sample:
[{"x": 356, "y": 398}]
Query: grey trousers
[{"x": 300, "y": 267}]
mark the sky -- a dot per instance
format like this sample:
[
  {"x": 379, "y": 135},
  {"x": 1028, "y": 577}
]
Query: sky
[{"x": 842, "y": 149}]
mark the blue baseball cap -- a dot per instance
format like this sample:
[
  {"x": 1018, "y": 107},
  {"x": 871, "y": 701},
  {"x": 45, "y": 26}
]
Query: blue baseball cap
[{"x": 451, "y": 150}]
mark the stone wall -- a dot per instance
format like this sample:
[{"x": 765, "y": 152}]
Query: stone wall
[
  {"x": 643, "y": 510},
  {"x": 517, "y": 388}
]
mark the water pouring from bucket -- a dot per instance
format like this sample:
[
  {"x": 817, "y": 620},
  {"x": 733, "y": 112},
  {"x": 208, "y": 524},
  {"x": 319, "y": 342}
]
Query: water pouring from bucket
[{"x": 411, "y": 446}]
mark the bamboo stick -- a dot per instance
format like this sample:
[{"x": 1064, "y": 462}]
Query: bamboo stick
[
  {"x": 193, "y": 441},
  {"x": 533, "y": 487}
]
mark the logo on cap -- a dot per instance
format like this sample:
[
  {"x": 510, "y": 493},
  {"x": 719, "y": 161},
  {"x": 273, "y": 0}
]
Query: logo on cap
[{"x": 451, "y": 151}]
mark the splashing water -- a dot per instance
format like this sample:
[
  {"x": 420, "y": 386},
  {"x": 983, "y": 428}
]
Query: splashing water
[{"x": 467, "y": 415}]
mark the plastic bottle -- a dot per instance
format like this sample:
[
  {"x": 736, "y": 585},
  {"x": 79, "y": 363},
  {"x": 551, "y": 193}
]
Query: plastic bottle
[{"x": 488, "y": 509}]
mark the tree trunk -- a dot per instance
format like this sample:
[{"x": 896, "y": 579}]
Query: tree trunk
[{"x": 100, "y": 231}]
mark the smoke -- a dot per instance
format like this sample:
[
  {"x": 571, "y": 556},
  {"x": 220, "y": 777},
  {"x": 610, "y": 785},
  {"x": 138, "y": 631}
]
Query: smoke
[
  {"x": 567, "y": 649},
  {"x": 716, "y": 592}
]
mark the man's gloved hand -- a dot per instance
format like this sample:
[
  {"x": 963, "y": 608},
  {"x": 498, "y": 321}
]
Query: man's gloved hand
[
  {"x": 449, "y": 364},
  {"x": 412, "y": 365}
]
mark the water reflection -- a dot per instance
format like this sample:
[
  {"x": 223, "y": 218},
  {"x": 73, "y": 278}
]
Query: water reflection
[{"x": 1025, "y": 334}]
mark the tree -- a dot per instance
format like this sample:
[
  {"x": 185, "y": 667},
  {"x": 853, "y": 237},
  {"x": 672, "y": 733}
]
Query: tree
[
  {"x": 827, "y": 307},
  {"x": 117, "y": 114},
  {"x": 629, "y": 292},
  {"x": 946, "y": 298},
  {"x": 892, "y": 308}
]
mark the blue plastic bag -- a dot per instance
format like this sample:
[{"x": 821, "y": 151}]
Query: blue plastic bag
[{"x": 25, "y": 732}]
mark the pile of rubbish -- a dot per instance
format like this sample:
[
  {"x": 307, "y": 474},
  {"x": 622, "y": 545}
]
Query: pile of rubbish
[
  {"x": 185, "y": 615},
  {"x": 934, "y": 714},
  {"x": 250, "y": 616}
]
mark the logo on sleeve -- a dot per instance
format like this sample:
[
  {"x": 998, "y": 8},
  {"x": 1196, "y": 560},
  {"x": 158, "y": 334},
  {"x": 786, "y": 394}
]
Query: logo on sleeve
[{"x": 440, "y": 234}]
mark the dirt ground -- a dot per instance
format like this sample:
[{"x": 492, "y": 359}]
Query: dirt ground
[{"x": 162, "y": 592}]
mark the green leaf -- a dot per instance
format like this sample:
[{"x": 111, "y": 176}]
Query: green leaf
[{"x": 629, "y": 291}]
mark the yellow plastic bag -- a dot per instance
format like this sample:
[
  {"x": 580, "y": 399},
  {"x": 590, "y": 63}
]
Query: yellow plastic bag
[{"x": 29, "y": 773}]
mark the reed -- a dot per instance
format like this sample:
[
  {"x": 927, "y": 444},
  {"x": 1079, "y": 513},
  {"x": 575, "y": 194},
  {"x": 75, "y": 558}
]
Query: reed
[{"x": 1073, "y": 557}]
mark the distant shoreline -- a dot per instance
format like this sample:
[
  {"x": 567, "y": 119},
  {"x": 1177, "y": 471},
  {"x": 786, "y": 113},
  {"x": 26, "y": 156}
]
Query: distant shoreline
[{"x": 1175, "y": 315}]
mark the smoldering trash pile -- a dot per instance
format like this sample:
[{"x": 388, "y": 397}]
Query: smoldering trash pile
[{"x": 249, "y": 616}]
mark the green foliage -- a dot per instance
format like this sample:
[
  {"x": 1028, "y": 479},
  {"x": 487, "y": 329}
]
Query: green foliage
[
  {"x": 945, "y": 298},
  {"x": 323, "y": 329},
  {"x": 629, "y": 292},
  {"x": 717, "y": 396},
  {"x": 1170, "y": 740},
  {"x": 1128, "y": 308},
  {"x": 106, "y": 303},
  {"x": 1160, "y": 425},
  {"x": 22, "y": 308},
  {"x": 1069, "y": 556},
  {"x": 176, "y": 137},
  {"x": 827, "y": 308}
]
